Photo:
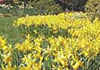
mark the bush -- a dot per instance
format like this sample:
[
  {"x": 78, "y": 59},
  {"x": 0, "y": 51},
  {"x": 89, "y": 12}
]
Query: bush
[
  {"x": 77, "y": 5},
  {"x": 93, "y": 7},
  {"x": 45, "y": 7},
  {"x": 35, "y": 7},
  {"x": 8, "y": 1}
]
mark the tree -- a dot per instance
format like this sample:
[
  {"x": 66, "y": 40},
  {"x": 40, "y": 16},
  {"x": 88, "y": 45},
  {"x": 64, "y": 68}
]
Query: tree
[{"x": 77, "y": 5}]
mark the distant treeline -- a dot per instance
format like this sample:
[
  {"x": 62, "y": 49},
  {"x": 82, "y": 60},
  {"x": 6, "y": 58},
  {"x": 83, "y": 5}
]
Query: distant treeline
[
  {"x": 76, "y": 5},
  {"x": 45, "y": 7}
]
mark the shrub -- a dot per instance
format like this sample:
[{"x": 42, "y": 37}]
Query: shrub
[
  {"x": 35, "y": 7},
  {"x": 8, "y": 1},
  {"x": 75, "y": 4},
  {"x": 93, "y": 7},
  {"x": 45, "y": 7}
]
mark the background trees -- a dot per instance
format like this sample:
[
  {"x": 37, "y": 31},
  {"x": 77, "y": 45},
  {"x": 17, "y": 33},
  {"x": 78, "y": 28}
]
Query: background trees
[
  {"x": 77, "y": 5},
  {"x": 45, "y": 7}
]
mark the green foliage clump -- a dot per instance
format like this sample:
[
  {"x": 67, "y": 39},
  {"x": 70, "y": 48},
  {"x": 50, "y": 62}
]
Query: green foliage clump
[
  {"x": 75, "y": 4},
  {"x": 93, "y": 7},
  {"x": 8, "y": 1},
  {"x": 45, "y": 7},
  {"x": 31, "y": 7}
]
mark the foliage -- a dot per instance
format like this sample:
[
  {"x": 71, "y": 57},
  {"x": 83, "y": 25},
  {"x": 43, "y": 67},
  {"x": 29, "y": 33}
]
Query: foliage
[
  {"x": 8, "y": 1},
  {"x": 77, "y": 5},
  {"x": 42, "y": 7},
  {"x": 45, "y": 7},
  {"x": 93, "y": 7}
]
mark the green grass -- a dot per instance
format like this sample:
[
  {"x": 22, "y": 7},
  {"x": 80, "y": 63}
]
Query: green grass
[{"x": 9, "y": 32}]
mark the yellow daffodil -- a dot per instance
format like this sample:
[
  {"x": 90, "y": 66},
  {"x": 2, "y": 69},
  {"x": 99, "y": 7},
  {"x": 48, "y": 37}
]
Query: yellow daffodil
[{"x": 8, "y": 67}]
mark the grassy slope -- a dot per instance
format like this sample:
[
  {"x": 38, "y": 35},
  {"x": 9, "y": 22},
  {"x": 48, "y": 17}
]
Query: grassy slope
[{"x": 7, "y": 30}]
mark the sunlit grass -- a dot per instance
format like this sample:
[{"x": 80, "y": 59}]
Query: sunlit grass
[{"x": 7, "y": 30}]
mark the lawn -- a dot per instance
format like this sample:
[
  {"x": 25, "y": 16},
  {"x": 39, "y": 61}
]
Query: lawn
[{"x": 8, "y": 31}]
